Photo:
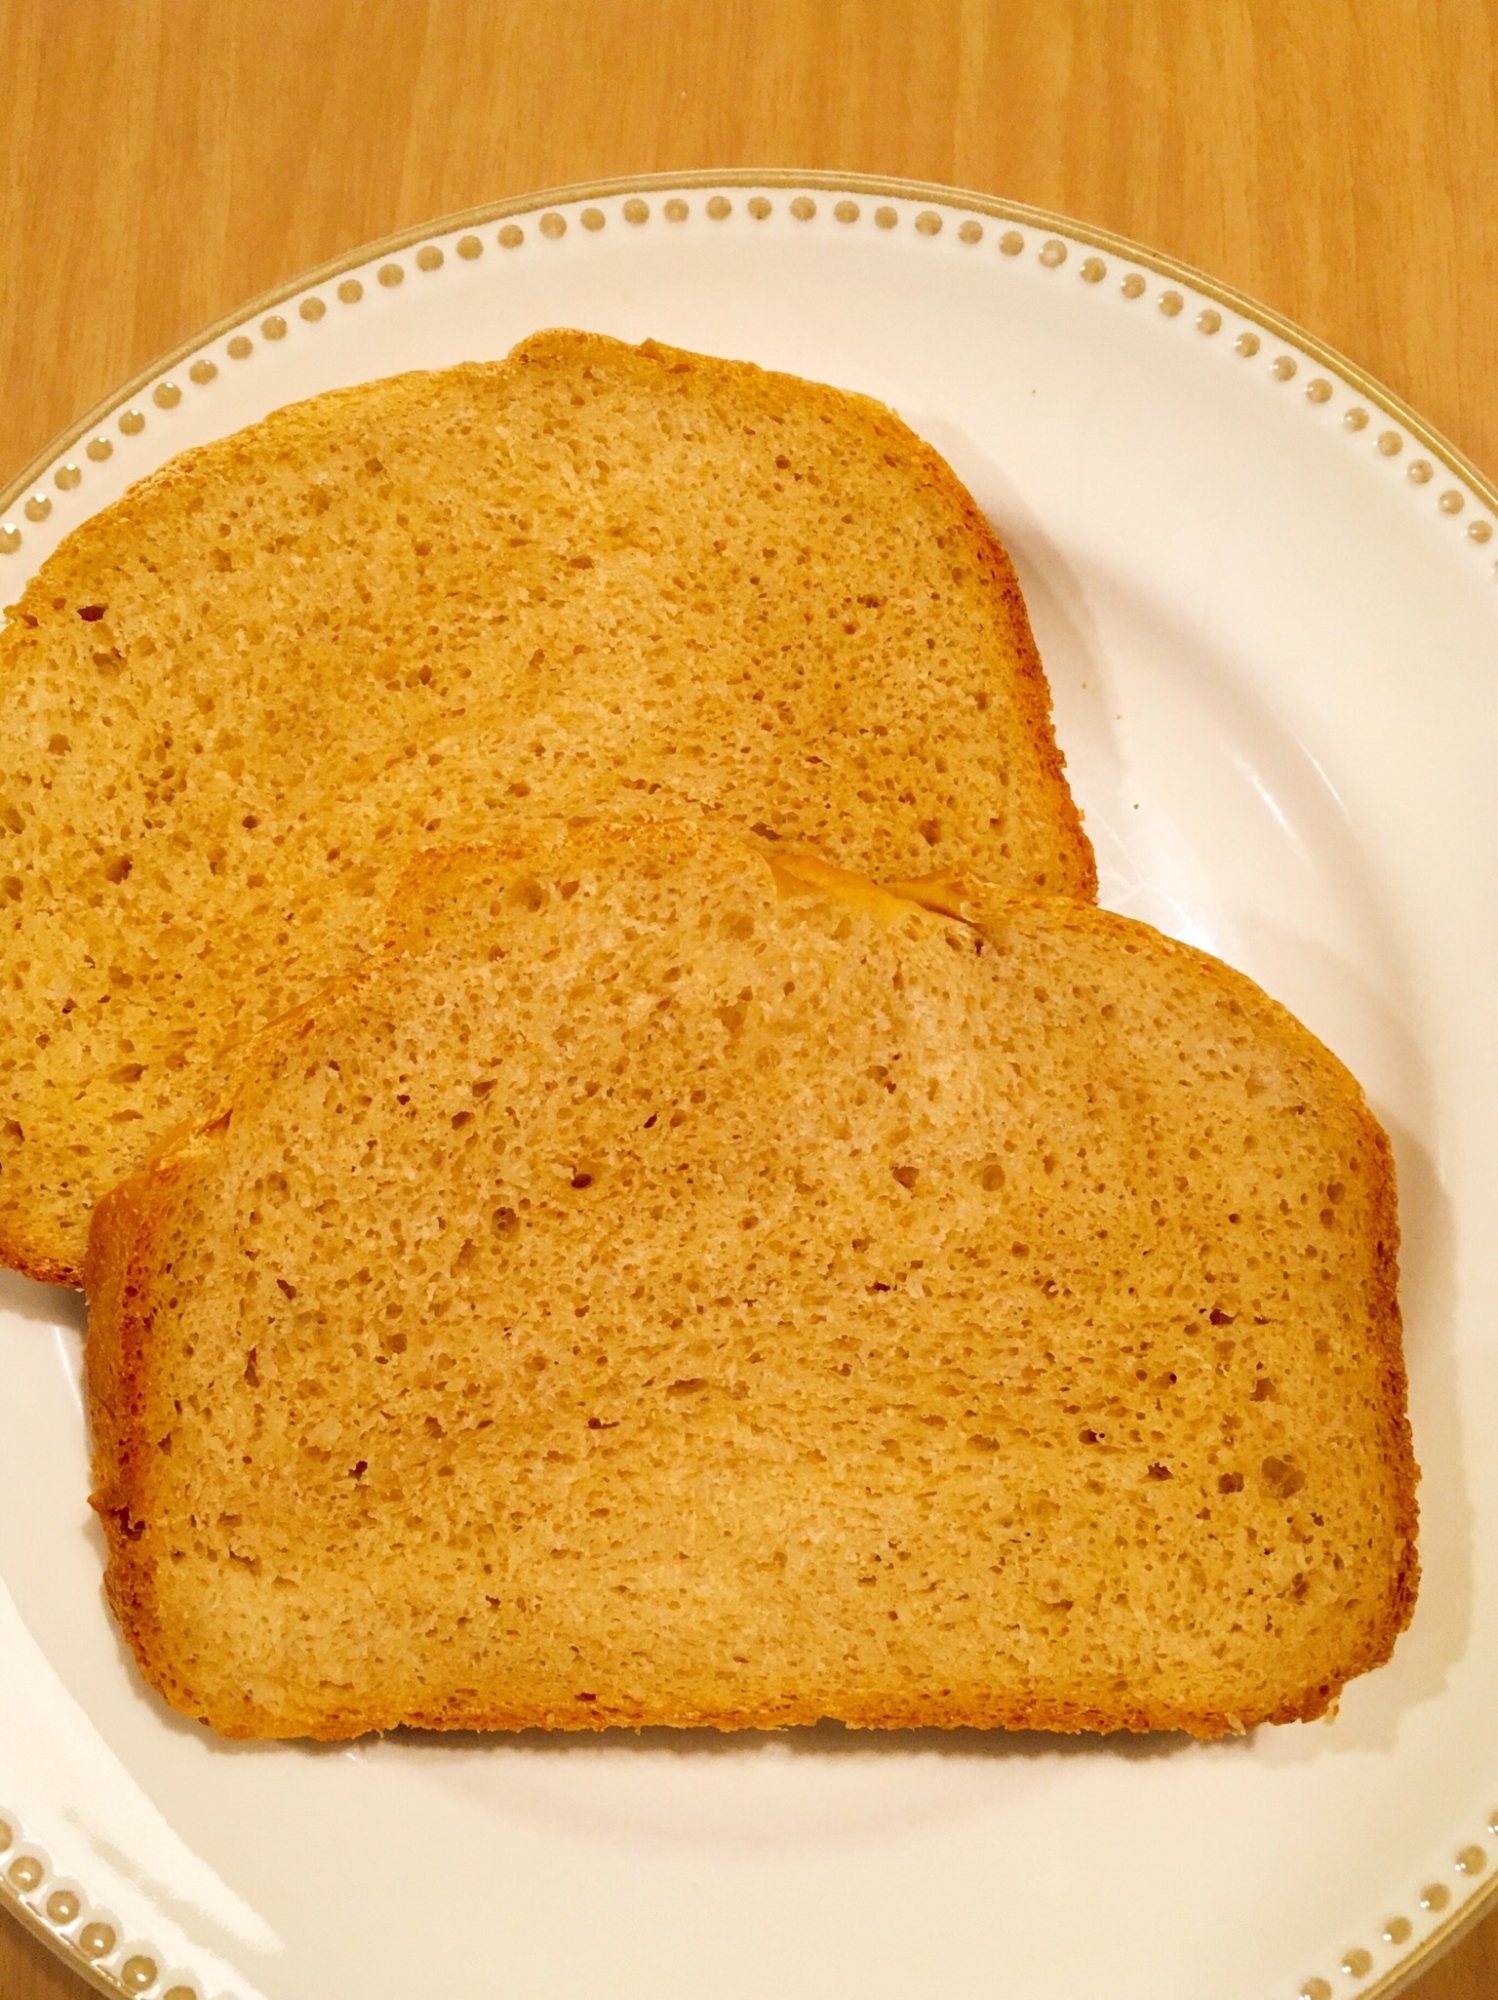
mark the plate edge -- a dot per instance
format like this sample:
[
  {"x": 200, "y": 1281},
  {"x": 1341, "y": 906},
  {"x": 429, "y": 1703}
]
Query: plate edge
[
  {"x": 994, "y": 206},
  {"x": 63, "y": 1948},
  {"x": 1400, "y": 1975}
]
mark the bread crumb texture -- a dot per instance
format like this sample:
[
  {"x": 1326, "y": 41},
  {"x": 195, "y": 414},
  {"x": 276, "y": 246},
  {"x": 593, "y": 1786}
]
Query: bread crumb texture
[
  {"x": 589, "y": 579},
  {"x": 668, "y": 1285}
]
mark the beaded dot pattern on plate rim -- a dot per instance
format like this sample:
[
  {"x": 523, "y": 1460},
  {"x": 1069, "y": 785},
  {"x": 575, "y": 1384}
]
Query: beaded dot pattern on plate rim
[
  {"x": 1433, "y": 1901},
  {"x": 963, "y": 230},
  {"x": 91, "y": 1940},
  {"x": 1126, "y": 279}
]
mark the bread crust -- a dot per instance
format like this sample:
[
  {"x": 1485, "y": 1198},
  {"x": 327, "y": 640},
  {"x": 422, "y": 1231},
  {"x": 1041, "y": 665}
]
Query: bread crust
[
  {"x": 128, "y": 1274},
  {"x": 118, "y": 1278}
]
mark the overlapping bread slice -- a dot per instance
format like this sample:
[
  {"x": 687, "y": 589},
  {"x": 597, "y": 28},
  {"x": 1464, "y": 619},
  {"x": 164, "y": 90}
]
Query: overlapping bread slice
[
  {"x": 674, "y": 1283},
  {"x": 592, "y": 578}
]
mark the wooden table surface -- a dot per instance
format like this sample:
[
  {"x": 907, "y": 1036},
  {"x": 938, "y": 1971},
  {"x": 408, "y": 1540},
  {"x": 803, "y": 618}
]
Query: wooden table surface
[{"x": 162, "y": 160}]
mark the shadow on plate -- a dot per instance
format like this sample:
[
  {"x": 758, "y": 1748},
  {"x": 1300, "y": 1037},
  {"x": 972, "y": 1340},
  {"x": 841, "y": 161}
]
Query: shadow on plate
[
  {"x": 822, "y": 1739},
  {"x": 45, "y": 1305}
]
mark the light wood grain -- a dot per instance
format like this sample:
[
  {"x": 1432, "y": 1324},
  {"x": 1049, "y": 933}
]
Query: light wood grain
[
  {"x": 165, "y": 159},
  {"x": 162, "y": 160}
]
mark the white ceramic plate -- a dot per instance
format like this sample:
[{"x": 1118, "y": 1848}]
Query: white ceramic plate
[{"x": 1266, "y": 600}]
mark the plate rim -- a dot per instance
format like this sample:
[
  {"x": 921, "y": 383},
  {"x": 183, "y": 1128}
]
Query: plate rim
[
  {"x": 951, "y": 196},
  {"x": 1471, "y": 1910}
]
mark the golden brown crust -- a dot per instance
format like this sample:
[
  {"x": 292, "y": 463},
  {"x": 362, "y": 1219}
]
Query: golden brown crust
[
  {"x": 950, "y": 1710},
  {"x": 37, "y": 1260},
  {"x": 118, "y": 1276}
]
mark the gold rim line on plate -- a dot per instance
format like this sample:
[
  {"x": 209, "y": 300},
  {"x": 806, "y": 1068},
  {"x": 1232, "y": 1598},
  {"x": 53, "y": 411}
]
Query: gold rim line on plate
[{"x": 1471, "y": 1910}]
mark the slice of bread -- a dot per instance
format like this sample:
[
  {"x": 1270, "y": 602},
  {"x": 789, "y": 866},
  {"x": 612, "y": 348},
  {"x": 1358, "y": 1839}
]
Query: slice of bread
[
  {"x": 674, "y": 1283},
  {"x": 592, "y": 578}
]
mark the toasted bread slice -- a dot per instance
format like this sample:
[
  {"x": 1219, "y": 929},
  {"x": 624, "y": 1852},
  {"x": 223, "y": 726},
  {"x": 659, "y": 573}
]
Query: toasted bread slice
[
  {"x": 592, "y": 578},
  {"x": 675, "y": 1283}
]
